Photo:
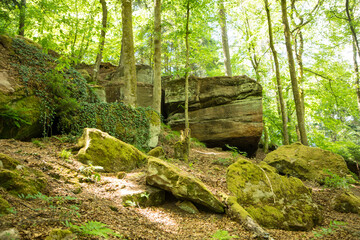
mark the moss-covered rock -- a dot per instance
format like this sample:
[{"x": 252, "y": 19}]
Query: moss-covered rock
[
  {"x": 21, "y": 180},
  {"x": 346, "y": 202},
  {"x": 4, "y": 206},
  {"x": 183, "y": 186},
  {"x": 187, "y": 206},
  {"x": 8, "y": 162},
  {"x": 157, "y": 152},
  {"x": 60, "y": 234},
  {"x": 274, "y": 201},
  {"x": 306, "y": 163},
  {"x": 99, "y": 148}
]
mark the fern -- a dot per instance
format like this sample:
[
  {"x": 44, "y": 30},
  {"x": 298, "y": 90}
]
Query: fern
[{"x": 93, "y": 228}]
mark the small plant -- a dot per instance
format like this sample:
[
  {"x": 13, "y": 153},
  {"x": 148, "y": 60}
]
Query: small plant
[
  {"x": 196, "y": 143},
  {"x": 145, "y": 194},
  {"x": 329, "y": 230},
  {"x": 65, "y": 154},
  {"x": 37, "y": 143},
  {"x": 222, "y": 235},
  {"x": 90, "y": 173},
  {"x": 235, "y": 151},
  {"x": 92, "y": 228},
  {"x": 130, "y": 203},
  {"x": 335, "y": 181},
  {"x": 223, "y": 161}
]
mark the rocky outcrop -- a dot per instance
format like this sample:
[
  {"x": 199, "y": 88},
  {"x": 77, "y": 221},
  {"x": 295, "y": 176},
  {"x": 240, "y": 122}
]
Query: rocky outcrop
[
  {"x": 222, "y": 110},
  {"x": 183, "y": 186},
  {"x": 99, "y": 148},
  {"x": 272, "y": 200},
  {"x": 306, "y": 163},
  {"x": 346, "y": 202}
]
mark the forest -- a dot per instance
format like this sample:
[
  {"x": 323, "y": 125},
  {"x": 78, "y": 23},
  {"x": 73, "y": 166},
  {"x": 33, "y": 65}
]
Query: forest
[{"x": 292, "y": 66}]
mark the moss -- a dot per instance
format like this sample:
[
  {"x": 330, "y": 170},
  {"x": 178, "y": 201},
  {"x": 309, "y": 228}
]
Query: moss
[
  {"x": 236, "y": 211},
  {"x": 267, "y": 216},
  {"x": 26, "y": 182},
  {"x": 60, "y": 234},
  {"x": 101, "y": 149},
  {"x": 347, "y": 202},
  {"x": 6, "y": 41},
  {"x": 157, "y": 152},
  {"x": 8, "y": 162},
  {"x": 4, "y": 206}
]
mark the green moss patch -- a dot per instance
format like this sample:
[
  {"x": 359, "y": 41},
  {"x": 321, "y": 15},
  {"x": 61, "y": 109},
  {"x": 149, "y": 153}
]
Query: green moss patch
[{"x": 4, "y": 206}]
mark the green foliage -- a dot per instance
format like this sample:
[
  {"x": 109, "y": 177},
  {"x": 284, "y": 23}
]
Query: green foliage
[
  {"x": 37, "y": 143},
  {"x": 235, "y": 151},
  {"x": 90, "y": 173},
  {"x": 17, "y": 117},
  {"x": 335, "y": 181},
  {"x": 334, "y": 225},
  {"x": 196, "y": 143},
  {"x": 65, "y": 154},
  {"x": 92, "y": 228},
  {"x": 222, "y": 235}
]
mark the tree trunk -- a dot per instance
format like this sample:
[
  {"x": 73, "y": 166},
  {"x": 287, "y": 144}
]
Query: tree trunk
[
  {"x": 187, "y": 71},
  {"x": 278, "y": 78},
  {"x": 22, "y": 8},
  {"x": 157, "y": 57},
  {"x": 356, "y": 51},
  {"x": 128, "y": 52},
  {"x": 294, "y": 82},
  {"x": 224, "y": 36},
  {"x": 102, "y": 40}
]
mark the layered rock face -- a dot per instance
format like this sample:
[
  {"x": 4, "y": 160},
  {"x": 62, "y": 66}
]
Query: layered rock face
[{"x": 222, "y": 110}]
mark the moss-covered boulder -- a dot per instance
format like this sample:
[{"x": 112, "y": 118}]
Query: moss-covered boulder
[
  {"x": 4, "y": 206},
  {"x": 99, "y": 148},
  {"x": 60, "y": 234},
  {"x": 346, "y": 202},
  {"x": 157, "y": 152},
  {"x": 274, "y": 201},
  {"x": 8, "y": 162},
  {"x": 183, "y": 186},
  {"x": 306, "y": 163}
]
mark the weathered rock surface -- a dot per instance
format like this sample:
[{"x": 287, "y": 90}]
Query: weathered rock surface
[
  {"x": 274, "y": 201},
  {"x": 183, "y": 186},
  {"x": 346, "y": 202},
  {"x": 157, "y": 152},
  {"x": 4, "y": 206},
  {"x": 99, "y": 148},
  {"x": 222, "y": 110},
  {"x": 306, "y": 163},
  {"x": 187, "y": 206},
  {"x": 10, "y": 234}
]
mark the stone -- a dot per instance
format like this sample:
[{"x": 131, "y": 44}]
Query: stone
[
  {"x": 346, "y": 202},
  {"x": 5, "y": 84},
  {"x": 148, "y": 197},
  {"x": 100, "y": 92},
  {"x": 157, "y": 152},
  {"x": 4, "y": 206},
  {"x": 85, "y": 74},
  {"x": 187, "y": 206},
  {"x": 306, "y": 163},
  {"x": 101, "y": 149},
  {"x": 8, "y": 162},
  {"x": 222, "y": 110},
  {"x": 272, "y": 200},
  {"x": 10, "y": 234},
  {"x": 183, "y": 186},
  {"x": 60, "y": 234}
]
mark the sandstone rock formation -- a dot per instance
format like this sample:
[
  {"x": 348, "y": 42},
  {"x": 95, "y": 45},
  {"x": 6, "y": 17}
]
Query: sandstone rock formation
[
  {"x": 222, "y": 110},
  {"x": 272, "y": 200},
  {"x": 306, "y": 163},
  {"x": 183, "y": 186},
  {"x": 99, "y": 148}
]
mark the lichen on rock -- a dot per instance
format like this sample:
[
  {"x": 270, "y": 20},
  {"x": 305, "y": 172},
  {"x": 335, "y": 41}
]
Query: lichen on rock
[{"x": 274, "y": 201}]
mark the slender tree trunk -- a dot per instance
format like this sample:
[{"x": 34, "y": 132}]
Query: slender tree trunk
[
  {"x": 76, "y": 32},
  {"x": 356, "y": 51},
  {"x": 157, "y": 57},
  {"x": 224, "y": 37},
  {"x": 102, "y": 40},
  {"x": 187, "y": 71},
  {"x": 278, "y": 78},
  {"x": 22, "y": 8},
  {"x": 128, "y": 52},
  {"x": 294, "y": 82}
]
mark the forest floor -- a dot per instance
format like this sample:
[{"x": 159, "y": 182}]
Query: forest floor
[{"x": 99, "y": 201}]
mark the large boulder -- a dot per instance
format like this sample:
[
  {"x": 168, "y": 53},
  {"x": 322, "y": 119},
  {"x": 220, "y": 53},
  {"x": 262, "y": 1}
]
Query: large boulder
[
  {"x": 183, "y": 186},
  {"x": 346, "y": 202},
  {"x": 99, "y": 148},
  {"x": 306, "y": 163},
  {"x": 274, "y": 201},
  {"x": 222, "y": 110}
]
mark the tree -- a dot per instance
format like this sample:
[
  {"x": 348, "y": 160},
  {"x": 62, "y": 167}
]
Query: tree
[
  {"x": 157, "y": 57},
  {"x": 294, "y": 83},
  {"x": 278, "y": 77},
  {"x": 128, "y": 50},
  {"x": 102, "y": 40},
  {"x": 224, "y": 37}
]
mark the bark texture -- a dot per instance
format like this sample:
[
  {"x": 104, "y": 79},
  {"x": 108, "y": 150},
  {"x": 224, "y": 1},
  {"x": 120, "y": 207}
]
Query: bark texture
[
  {"x": 187, "y": 66},
  {"x": 224, "y": 37},
  {"x": 157, "y": 57},
  {"x": 22, "y": 7},
  {"x": 128, "y": 52},
  {"x": 294, "y": 82}
]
